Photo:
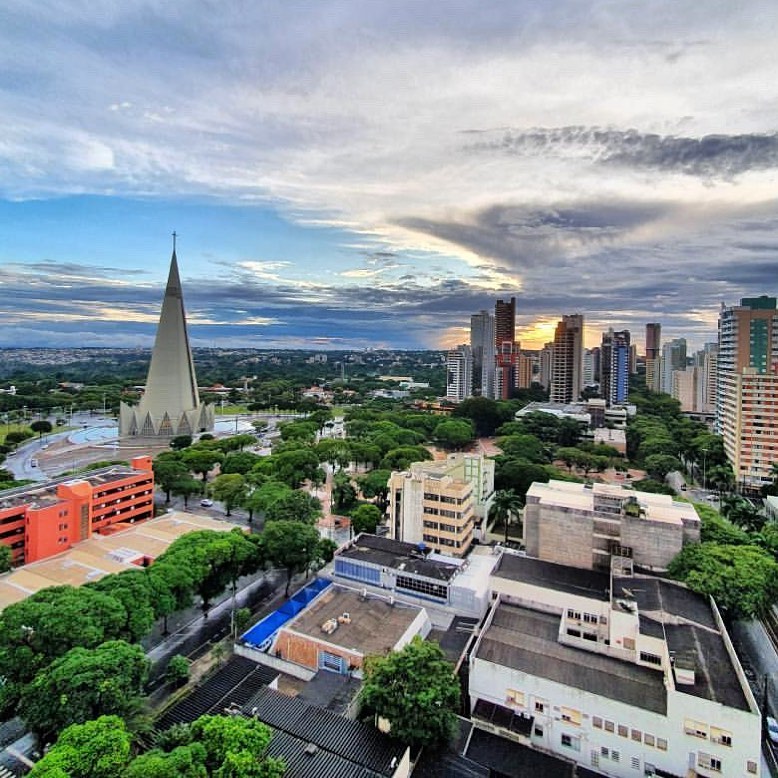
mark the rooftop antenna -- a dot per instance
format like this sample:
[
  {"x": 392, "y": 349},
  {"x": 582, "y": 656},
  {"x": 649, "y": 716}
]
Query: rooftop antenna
[{"x": 175, "y": 235}]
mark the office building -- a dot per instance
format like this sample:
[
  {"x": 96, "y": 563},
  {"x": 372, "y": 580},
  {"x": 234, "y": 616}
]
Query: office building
[
  {"x": 673, "y": 358},
  {"x": 747, "y": 388},
  {"x": 170, "y": 404},
  {"x": 545, "y": 362},
  {"x": 615, "y": 366},
  {"x": 567, "y": 360},
  {"x": 507, "y": 369},
  {"x": 504, "y": 321},
  {"x": 706, "y": 361},
  {"x": 459, "y": 373},
  {"x": 625, "y": 675},
  {"x": 40, "y": 520},
  {"x": 653, "y": 353},
  {"x": 482, "y": 346},
  {"x": 438, "y": 503},
  {"x": 585, "y": 525}
]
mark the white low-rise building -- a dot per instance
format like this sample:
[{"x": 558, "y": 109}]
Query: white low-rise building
[{"x": 627, "y": 675}]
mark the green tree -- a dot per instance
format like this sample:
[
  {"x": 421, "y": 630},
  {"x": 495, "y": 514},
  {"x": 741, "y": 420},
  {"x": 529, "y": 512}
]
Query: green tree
[
  {"x": 95, "y": 749},
  {"x": 15, "y": 437},
  {"x": 525, "y": 446},
  {"x": 365, "y": 518},
  {"x": 6, "y": 558},
  {"x": 236, "y": 747},
  {"x": 83, "y": 685},
  {"x": 182, "y": 762},
  {"x": 659, "y": 465},
  {"x": 487, "y": 415},
  {"x": 239, "y": 462},
  {"x": 743, "y": 513},
  {"x": 230, "y": 489},
  {"x": 131, "y": 588},
  {"x": 186, "y": 487},
  {"x": 177, "y": 671},
  {"x": 743, "y": 579},
  {"x": 506, "y": 504},
  {"x": 415, "y": 690},
  {"x": 375, "y": 486},
  {"x": 291, "y": 545},
  {"x": 344, "y": 493},
  {"x": 518, "y": 475},
  {"x": 454, "y": 434},
  {"x": 294, "y": 506},
  {"x": 201, "y": 460},
  {"x": 400, "y": 458},
  {"x": 40, "y": 427},
  {"x": 167, "y": 472},
  {"x": 180, "y": 441},
  {"x": 325, "y": 552}
]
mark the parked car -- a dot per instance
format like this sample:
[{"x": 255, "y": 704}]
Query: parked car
[{"x": 206, "y": 503}]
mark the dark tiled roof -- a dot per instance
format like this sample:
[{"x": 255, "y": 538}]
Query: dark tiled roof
[
  {"x": 657, "y": 594},
  {"x": 405, "y": 557},
  {"x": 507, "y": 758},
  {"x": 561, "y": 578},
  {"x": 503, "y": 717},
  {"x": 330, "y": 691},
  {"x": 526, "y": 640},
  {"x": 358, "y": 743},
  {"x": 651, "y": 627},
  {"x": 234, "y": 684}
]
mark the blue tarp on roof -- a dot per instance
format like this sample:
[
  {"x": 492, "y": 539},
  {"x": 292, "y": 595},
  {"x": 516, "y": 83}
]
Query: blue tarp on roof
[{"x": 268, "y": 627}]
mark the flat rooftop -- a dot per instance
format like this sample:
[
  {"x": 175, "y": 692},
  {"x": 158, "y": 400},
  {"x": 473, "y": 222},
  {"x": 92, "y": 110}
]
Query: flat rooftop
[
  {"x": 685, "y": 618},
  {"x": 405, "y": 557},
  {"x": 656, "y": 507},
  {"x": 103, "y": 554},
  {"x": 526, "y": 640},
  {"x": 560, "y": 578},
  {"x": 375, "y": 628}
]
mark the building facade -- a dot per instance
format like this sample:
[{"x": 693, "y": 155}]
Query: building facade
[
  {"x": 41, "y": 520},
  {"x": 673, "y": 358},
  {"x": 585, "y": 526},
  {"x": 747, "y": 388},
  {"x": 626, "y": 675},
  {"x": 615, "y": 353},
  {"x": 504, "y": 321},
  {"x": 482, "y": 346},
  {"x": 438, "y": 503},
  {"x": 567, "y": 360},
  {"x": 459, "y": 373}
]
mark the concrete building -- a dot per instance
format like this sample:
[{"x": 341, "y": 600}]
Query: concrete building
[
  {"x": 170, "y": 404},
  {"x": 506, "y": 375},
  {"x": 482, "y": 346},
  {"x": 443, "y": 585},
  {"x": 747, "y": 394},
  {"x": 625, "y": 675},
  {"x": 673, "y": 358},
  {"x": 567, "y": 360},
  {"x": 545, "y": 363},
  {"x": 438, "y": 503},
  {"x": 40, "y": 520},
  {"x": 653, "y": 353},
  {"x": 459, "y": 373},
  {"x": 504, "y": 321},
  {"x": 585, "y": 525},
  {"x": 342, "y": 626},
  {"x": 615, "y": 366},
  {"x": 706, "y": 362}
]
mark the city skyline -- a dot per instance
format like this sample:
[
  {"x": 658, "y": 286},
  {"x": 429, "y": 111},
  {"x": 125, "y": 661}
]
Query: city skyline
[{"x": 369, "y": 175}]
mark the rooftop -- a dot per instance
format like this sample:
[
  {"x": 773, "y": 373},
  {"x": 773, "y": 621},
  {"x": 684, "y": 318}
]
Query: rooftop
[
  {"x": 101, "y": 555},
  {"x": 375, "y": 626},
  {"x": 526, "y": 640},
  {"x": 655, "y": 507},
  {"x": 561, "y": 578},
  {"x": 407, "y": 557},
  {"x": 316, "y": 743},
  {"x": 510, "y": 759}
]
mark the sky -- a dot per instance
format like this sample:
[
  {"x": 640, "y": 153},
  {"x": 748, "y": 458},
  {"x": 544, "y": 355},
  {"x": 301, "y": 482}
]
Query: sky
[{"x": 354, "y": 174}]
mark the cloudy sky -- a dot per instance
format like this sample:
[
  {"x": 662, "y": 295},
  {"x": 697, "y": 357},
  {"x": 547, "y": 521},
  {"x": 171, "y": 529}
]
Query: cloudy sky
[{"x": 369, "y": 173}]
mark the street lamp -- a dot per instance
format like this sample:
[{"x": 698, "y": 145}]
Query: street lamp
[{"x": 704, "y": 482}]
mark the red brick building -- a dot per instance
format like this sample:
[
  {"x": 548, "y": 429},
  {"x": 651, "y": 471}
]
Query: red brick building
[{"x": 41, "y": 520}]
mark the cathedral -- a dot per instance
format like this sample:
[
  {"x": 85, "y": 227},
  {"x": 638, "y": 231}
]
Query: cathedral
[{"x": 171, "y": 403}]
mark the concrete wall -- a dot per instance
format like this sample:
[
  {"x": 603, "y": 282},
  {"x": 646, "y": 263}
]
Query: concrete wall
[
  {"x": 653, "y": 543},
  {"x": 261, "y": 658}
]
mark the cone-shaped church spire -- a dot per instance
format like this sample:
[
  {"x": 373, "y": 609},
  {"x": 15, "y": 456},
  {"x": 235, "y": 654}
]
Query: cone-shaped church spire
[{"x": 171, "y": 403}]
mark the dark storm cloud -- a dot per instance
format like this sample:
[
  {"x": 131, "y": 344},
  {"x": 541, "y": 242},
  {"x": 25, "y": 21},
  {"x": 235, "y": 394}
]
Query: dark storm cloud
[{"x": 710, "y": 156}]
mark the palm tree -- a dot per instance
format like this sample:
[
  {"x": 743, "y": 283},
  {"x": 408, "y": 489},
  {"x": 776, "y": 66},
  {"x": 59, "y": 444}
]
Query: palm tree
[{"x": 506, "y": 503}]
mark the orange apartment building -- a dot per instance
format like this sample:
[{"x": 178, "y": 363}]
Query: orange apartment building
[{"x": 41, "y": 520}]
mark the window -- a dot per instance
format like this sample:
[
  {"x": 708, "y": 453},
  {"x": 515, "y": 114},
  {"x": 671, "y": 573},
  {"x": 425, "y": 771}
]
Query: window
[
  {"x": 538, "y": 731},
  {"x": 514, "y": 697},
  {"x": 635, "y": 762},
  {"x": 623, "y": 731},
  {"x": 571, "y": 614},
  {"x": 637, "y": 735},
  {"x": 721, "y": 736},
  {"x": 596, "y": 722},
  {"x": 661, "y": 744},
  {"x": 649, "y": 739},
  {"x": 604, "y": 751},
  {"x": 629, "y": 644},
  {"x": 695, "y": 729},
  {"x": 574, "y": 633},
  {"x": 751, "y": 766},
  {"x": 595, "y": 757},
  {"x": 590, "y": 618},
  {"x": 709, "y": 762},
  {"x": 615, "y": 756},
  {"x": 570, "y": 741},
  {"x": 651, "y": 659},
  {"x": 609, "y": 726},
  {"x": 571, "y": 716},
  {"x": 540, "y": 706}
]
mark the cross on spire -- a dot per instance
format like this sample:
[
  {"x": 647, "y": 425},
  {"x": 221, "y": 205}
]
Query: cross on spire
[{"x": 175, "y": 235}]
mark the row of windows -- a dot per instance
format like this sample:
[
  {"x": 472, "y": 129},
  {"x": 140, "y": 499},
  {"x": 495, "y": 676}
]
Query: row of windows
[
  {"x": 635, "y": 734},
  {"x": 588, "y": 618},
  {"x": 701, "y": 730}
]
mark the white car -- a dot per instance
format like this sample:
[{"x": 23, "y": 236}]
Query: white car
[{"x": 206, "y": 503}]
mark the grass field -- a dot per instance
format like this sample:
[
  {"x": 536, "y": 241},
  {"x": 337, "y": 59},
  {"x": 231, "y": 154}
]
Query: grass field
[{"x": 6, "y": 428}]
